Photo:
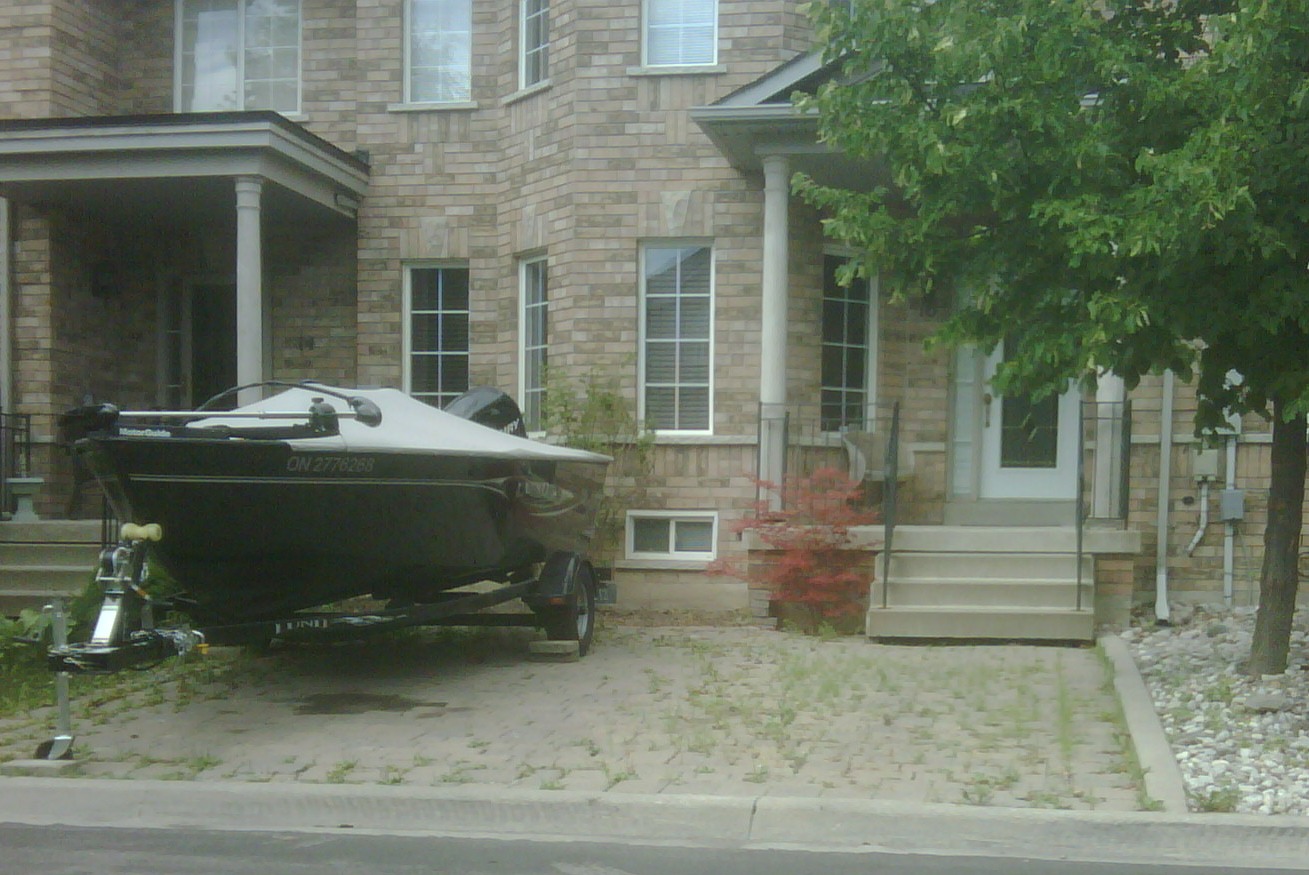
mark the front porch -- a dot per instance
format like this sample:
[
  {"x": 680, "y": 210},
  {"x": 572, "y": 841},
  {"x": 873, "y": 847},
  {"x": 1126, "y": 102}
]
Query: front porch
[{"x": 951, "y": 564}]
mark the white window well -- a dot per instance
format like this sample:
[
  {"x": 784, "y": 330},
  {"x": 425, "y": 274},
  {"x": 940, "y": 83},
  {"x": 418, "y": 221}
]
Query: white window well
[{"x": 688, "y": 535}]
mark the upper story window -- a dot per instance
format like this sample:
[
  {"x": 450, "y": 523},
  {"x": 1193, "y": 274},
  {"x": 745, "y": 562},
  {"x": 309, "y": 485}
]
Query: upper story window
[
  {"x": 536, "y": 340},
  {"x": 535, "y": 42},
  {"x": 238, "y": 55},
  {"x": 440, "y": 51},
  {"x": 436, "y": 333},
  {"x": 676, "y": 337},
  {"x": 680, "y": 33},
  {"x": 849, "y": 341}
]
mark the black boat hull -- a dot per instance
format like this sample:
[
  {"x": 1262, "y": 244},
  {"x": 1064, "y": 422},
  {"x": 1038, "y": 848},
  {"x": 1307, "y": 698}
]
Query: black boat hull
[{"x": 255, "y": 529}]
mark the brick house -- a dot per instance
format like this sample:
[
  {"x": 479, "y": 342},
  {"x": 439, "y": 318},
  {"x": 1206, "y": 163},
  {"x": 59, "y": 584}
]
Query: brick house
[{"x": 433, "y": 194}]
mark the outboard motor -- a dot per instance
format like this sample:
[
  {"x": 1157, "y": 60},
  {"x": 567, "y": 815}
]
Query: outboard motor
[{"x": 489, "y": 406}]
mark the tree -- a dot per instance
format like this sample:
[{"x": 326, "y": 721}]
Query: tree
[{"x": 1126, "y": 176}]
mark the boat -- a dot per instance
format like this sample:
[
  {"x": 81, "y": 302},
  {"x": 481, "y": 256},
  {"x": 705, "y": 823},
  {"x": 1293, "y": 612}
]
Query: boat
[{"x": 318, "y": 494}]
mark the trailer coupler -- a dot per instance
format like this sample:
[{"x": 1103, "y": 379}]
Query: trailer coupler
[{"x": 141, "y": 648}]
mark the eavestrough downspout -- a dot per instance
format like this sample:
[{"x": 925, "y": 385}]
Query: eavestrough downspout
[
  {"x": 1165, "y": 476},
  {"x": 6, "y": 310},
  {"x": 1229, "y": 526}
]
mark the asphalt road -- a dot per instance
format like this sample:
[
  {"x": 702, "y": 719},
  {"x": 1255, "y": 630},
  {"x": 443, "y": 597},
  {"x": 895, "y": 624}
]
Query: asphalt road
[{"x": 63, "y": 850}]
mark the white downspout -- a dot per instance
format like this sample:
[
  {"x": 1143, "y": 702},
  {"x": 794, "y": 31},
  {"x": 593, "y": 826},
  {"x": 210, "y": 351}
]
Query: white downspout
[
  {"x": 1229, "y": 526},
  {"x": 1204, "y": 518},
  {"x": 1165, "y": 476},
  {"x": 6, "y": 311}
]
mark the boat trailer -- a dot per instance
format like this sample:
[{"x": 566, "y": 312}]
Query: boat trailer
[{"x": 562, "y": 598}]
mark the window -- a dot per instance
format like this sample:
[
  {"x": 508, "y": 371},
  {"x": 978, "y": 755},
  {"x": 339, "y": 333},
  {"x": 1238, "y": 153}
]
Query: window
[
  {"x": 849, "y": 332},
  {"x": 536, "y": 336},
  {"x": 681, "y": 32},
  {"x": 653, "y": 534},
  {"x": 440, "y": 47},
  {"x": 436, "y": 336},
  {"x": 535, "y": 42},
  {"x": 237, "y": 55},
  {"x": 676, "y": 324}
]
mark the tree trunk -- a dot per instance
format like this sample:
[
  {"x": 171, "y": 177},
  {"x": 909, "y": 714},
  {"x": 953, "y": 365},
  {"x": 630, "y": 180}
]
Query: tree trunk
[{"x": 1280, "y": 576}]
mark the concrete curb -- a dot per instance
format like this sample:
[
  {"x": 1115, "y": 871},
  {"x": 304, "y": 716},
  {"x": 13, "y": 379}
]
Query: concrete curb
[
  {"x": 1217, "y": 841},
  {"x": 1163, "y": 778}
]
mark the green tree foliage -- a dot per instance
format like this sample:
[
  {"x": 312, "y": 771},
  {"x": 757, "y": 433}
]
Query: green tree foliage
[
  {"x": 1112, "y": 184},
  {"x": 593, "y": 413}
]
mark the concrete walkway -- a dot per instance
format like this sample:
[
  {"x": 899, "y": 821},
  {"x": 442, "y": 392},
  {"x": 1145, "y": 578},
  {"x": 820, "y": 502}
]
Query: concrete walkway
[
  {"x": 732, "y": 711},
  {"x": 798, "y": 736}
]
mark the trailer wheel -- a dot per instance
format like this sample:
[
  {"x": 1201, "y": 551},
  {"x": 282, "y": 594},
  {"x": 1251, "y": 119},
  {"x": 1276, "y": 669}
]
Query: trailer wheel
[{"x": 574, "y": 620}]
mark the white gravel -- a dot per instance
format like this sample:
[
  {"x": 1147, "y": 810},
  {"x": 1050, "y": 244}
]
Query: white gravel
[{"x": 1242, "y": 743}]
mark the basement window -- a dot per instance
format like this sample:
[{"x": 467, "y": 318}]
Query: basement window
[{"x": 655, "y": 534}]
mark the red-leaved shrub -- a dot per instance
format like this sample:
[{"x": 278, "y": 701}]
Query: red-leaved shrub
[{"x": 812, "y": 574}]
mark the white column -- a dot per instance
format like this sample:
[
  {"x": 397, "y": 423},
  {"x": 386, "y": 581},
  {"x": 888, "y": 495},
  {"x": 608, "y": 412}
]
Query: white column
[
  {"x": 772, "y": 352},
  {"x": 1110, "y": 393},
  {"x": 249, "y": 287}
]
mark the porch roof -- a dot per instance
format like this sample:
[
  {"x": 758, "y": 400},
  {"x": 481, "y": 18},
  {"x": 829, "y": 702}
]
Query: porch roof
[
  {"x": 163, "y": 164},
  {"x": 760, "y": 119}
]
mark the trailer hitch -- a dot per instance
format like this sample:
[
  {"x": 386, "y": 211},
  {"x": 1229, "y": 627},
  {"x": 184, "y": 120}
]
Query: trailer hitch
[{"x": 125, "y": 634}]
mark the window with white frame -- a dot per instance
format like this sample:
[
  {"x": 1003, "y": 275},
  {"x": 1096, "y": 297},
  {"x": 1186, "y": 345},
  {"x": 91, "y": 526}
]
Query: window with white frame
[
  {"x": 535, "y": 42},
  {"x": 677, "y": 332},
  {"x": 536, "y": 338},
  {"x": 849, "y": 323},
  {"x": 436, "y": 332},
  {"x": 690, "y": 535},
  {"x": 440, "y": 51},
  {"x": 238, "y": 55},
  {"x": 680, "y": 33}
]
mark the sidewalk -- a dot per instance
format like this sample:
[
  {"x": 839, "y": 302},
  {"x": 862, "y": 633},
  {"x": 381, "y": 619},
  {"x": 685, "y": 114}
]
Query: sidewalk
[{"x": 735, "y": 712}]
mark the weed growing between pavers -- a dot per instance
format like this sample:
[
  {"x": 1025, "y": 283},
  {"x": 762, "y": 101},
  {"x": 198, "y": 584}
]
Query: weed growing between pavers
[
  {"x": 1017, "y": 716},
  {"x": 729, "y": 710}
]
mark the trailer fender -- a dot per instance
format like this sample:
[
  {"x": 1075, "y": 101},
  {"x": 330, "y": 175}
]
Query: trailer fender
[{"x": 557, "y": 581}]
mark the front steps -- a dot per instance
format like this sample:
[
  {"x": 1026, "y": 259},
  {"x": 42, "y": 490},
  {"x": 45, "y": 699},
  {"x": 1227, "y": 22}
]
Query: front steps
[
  {"x": 1004, "y": 583},
  {"x": 41, "y": 560}
]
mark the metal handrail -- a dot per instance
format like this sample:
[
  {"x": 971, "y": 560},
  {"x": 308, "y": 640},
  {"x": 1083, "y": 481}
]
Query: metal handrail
[
  {"x": 890, "y": 488},
  {"x": 15, "y": 452},
  {"x": 1119, "y": 414}
]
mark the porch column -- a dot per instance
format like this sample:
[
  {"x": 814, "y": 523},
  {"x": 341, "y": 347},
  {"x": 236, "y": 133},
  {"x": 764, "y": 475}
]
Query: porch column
[
  {"x": 249, "y": 287},
  {"x": 1106, "y": 487},
  {"x": 772, "y": 353}
]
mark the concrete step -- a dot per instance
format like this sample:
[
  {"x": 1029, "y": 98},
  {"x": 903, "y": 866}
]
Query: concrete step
[
  {"x": 989, "y": 623},
  {"x": 23, "y": 554},
  {"x": 44, "y": 559},
  {"x": 1011, "y": 539},
  {"x": 51, "y": 532},
  {"x": 987, "y": 566},
  {"x": 1027, "y": 593}
]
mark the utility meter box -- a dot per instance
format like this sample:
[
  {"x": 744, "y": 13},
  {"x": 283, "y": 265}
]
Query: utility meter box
[
  {"x": 1231, "y": 505},
  {"x": 1204, "y": 464}
]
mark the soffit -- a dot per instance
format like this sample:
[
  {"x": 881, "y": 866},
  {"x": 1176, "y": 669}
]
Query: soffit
[
  {"x": 156, "y": 166},
  {"x": 760, "y": 119}
]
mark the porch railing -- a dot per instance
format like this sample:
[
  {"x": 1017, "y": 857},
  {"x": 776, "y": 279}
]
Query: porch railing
[
  {"x": 861, "y": 440},
  {"x": 806, "y": 437},
  {"x": 1103, "y": 477},
  {"x": 15, "y": 453}
]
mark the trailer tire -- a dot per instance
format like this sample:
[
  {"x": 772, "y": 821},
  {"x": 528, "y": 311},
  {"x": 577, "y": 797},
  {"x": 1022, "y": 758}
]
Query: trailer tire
[{"x": 575, "y": 620}]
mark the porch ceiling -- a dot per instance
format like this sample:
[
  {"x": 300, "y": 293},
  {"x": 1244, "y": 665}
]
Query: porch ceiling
[{"x": 151, "y": 167}]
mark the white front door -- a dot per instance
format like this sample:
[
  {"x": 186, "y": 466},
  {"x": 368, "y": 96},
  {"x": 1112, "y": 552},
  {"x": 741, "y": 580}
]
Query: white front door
[{"x": 1028, "y": 448}]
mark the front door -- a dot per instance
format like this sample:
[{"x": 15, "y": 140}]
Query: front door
[
  {"x": 1028, "y": 447},
  {"x": 199, "y": 343}
]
